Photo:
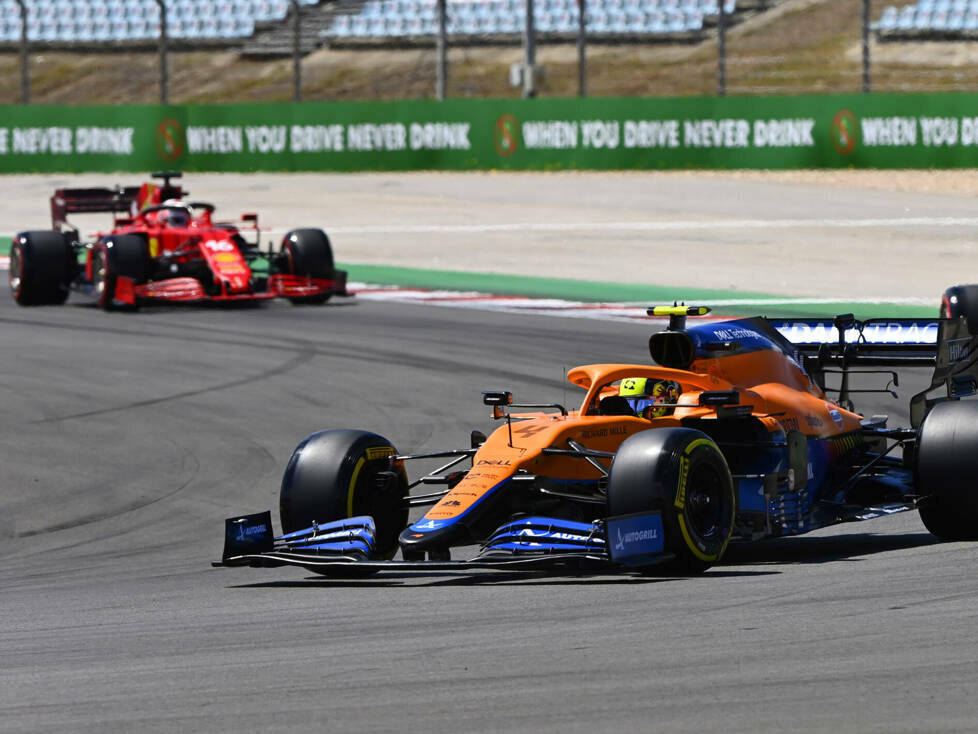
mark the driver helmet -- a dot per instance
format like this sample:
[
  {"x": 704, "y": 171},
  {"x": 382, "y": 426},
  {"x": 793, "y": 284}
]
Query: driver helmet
[
  {"x": 649, "y": 397},
  {"x": 177, "y": 214}
]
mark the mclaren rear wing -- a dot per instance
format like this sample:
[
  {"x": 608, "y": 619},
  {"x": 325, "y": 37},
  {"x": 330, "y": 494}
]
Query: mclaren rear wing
[
  {"x": 876, "y": 342},
  {"x": 947, "y": 345}
]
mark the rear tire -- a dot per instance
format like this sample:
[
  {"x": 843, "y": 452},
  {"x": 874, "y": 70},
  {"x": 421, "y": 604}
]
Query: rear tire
[
  {"x": 307, "y": 252},
  {"x": 681, "y": 473},
  {"x": 126, "y": 255},
  {"x": 947, "y": 463},
  {"x": 331, "y": 477},
  {"x": 42, "y": 266}
]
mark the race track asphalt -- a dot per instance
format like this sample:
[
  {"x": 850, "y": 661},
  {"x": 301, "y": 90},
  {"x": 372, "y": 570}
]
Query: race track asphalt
[{"x": 127, "y": 438}]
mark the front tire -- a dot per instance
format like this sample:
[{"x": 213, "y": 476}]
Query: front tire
[
  {"x": 307, "y": 253},
  {"x": 947, "y": 463},
  {"x": 332, "y": 475},
  {"x": 681, "y": 473},
  {"x": 42, "y": 266},
  {"x": 119, "y": 255}
]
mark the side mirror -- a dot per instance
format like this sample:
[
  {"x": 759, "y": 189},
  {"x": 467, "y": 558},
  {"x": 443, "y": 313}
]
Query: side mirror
[
  {"x": 719, "y": 397},
  {"x": 498, "y": 399}
]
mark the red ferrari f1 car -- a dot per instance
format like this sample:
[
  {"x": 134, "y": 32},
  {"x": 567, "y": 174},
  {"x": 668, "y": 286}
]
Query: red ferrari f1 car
[
  {"x": 741, "y": 430},
  {"x": 165, "y": 248}
]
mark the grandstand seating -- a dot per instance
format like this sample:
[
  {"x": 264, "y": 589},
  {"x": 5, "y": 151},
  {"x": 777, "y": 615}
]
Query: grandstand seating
[
  {"x": 124, "y": 21},
  {"x": 930, "y": 18},
  {"x": 91, "y": 21},
  {"x": 399, "y": 18}
]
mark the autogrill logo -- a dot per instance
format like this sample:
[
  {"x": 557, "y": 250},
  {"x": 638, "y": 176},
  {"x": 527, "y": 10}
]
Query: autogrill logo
[{"x": 637, "y": 536}]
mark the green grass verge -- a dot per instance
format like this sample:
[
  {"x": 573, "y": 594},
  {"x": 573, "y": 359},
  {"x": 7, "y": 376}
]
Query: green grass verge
[
  {"x": 580, "y": 290},
  {"x": 592, "y": 291}
]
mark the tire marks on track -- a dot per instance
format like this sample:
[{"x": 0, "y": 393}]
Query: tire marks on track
[
  {"x": 119, "y": 510},
  {"x": 305, "y": 355}
]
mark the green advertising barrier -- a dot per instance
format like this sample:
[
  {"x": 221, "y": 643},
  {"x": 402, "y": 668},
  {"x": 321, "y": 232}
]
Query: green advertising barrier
[{"x": 830, "y": 131}]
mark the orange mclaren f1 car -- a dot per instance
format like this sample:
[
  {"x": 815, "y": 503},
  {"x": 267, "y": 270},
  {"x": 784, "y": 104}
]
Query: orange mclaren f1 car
[
  {"x": 733, "y": 434},
  {"x": 163, "y": 247}
]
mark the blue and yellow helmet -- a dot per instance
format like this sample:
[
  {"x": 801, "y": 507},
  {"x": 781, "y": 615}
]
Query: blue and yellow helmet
[{"x": 650, "y": 397}]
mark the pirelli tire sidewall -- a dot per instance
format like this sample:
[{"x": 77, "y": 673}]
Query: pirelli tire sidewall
[
  {"x": 332, "y": 475},
  {"x": 681, "y": 473}
]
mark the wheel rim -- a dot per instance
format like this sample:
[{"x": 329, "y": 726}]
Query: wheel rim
[
  {"x": 16, "y": 277},
  {"x": 706, "y": 501}
]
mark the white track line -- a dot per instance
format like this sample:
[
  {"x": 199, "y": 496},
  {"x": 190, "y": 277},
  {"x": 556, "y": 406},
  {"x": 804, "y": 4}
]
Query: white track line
[
  {"x": 580, "y": 309},
  {"x": 396, "y": 293},
  {"x": 647, "y": 226},
  {"x": 505, "y": 304},
  {"x": 653, "y": 226},
  {"x": 908, "y": 301}
]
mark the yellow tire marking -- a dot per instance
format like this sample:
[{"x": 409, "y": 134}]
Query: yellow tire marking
[
  {"x": 353, "y": 486},
  {"x": 681, "y": 484},
  {"x": 691, "y": 545},
  {"x": 379, "y": 452},
  {"x": 680, "y": 502},
  {"x": 371, "y": 454},
  {"x": 698, "y": 442}
]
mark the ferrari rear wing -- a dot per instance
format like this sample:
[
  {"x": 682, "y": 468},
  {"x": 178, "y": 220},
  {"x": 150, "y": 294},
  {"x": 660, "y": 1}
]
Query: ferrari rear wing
[
  {"x": 120, "y": 200},
  {"x": 86, "y": 201}
]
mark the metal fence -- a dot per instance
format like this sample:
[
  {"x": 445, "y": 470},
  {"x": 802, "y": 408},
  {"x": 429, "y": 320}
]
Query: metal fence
[{"x": 732, "y": 54}]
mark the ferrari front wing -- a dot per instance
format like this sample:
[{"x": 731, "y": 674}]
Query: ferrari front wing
[{"x": 190, "y": 290}]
